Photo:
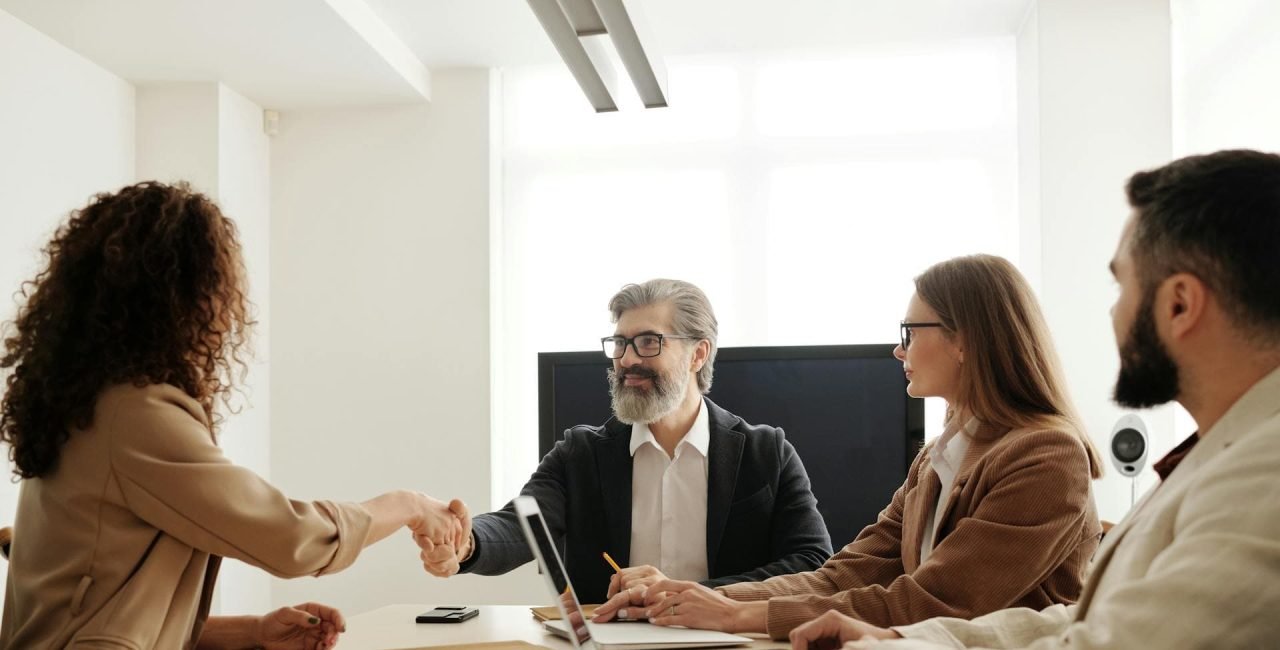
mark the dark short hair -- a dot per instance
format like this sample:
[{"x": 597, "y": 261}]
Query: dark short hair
[{"x": 1215, "y": 216}]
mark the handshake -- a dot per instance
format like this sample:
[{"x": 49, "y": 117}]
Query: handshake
[{"x": 443, "y": 532}]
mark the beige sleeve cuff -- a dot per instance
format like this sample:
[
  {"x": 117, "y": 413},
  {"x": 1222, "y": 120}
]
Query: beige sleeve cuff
[
  {"x": 746, "y": 591},
  {"x": 353, "y": 523},
  {"x": 786, "y": 614},
  {"x": 928, "y": 631}
]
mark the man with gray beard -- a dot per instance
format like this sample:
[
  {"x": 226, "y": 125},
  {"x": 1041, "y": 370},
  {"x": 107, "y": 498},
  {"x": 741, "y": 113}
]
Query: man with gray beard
[{"x": 672, "y": 485}]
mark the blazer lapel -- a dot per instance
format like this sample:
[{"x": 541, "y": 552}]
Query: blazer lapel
[
  {"x": 979, "y": 445},
  {"x": 1154, "y": 500},
  {"x": 613, "y": 463},
  {"x": 915, "y": 511},
  {"x": 1241, "y": 419},
  {"x": 1102, "y": 557},
  {"x": 724, "y": 454}
]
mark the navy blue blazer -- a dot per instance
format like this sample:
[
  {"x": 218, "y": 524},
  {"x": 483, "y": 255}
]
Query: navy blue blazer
[{"x": 762, "y": 518}]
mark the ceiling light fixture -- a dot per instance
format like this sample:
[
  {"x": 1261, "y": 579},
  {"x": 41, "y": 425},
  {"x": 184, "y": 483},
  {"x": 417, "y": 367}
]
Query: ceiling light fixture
[{"x": 576, "y": 28}]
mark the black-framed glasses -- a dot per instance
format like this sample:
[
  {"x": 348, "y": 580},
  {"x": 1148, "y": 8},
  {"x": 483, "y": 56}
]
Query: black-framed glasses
[
  {"x": 904, "y": 331},
  {"x": 645, "y": 345}
]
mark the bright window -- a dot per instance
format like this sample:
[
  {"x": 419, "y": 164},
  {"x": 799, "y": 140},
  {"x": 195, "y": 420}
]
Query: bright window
[{"x": 801, "y": 194}]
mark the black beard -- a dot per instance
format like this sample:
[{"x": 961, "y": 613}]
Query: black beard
[{"x": 1148, "y": 375}]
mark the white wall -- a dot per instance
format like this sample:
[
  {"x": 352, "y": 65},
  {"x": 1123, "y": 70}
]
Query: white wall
[
  {"x": 54, "y": 154},
  {"x": 1226, "y": 67},
  {"x": 380, "y": 325},
  {"x": 210, "y": 136},
  {"x": 244, "y": 193},
  {"x": 1106, "y": 88},
  {"x": 1095, "y": 106},
  {"x": 1028, "y": 90},
  {"x": 177, "y": 134}
]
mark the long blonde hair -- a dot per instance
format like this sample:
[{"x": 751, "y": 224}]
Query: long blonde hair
[{"x": 1011, "y": 376}]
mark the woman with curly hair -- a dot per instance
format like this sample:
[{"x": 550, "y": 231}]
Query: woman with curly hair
[{"x": 128, "y": 337}]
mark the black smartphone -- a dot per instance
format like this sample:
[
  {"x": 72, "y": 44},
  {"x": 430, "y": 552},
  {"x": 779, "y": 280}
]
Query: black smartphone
[{"x": 448, "y": 614}]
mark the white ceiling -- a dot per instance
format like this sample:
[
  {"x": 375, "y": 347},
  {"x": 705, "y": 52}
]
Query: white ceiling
[
  {"x": 280, "y": 53},
  {"x": 504, "y": 32},
  {"x": 287, "y": 54}
]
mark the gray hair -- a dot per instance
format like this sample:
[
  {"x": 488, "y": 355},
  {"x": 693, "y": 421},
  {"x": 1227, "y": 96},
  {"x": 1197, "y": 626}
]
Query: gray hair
[{"x": 693, "y": 314}]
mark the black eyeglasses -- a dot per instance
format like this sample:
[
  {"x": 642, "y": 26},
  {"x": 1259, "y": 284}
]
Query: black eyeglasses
[
  {"x": 645, "y": 345},
  {"x": 904, "y": 331}
]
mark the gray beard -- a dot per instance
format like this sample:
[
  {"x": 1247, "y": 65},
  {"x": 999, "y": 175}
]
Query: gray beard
[{"x": 633, "y": 405}]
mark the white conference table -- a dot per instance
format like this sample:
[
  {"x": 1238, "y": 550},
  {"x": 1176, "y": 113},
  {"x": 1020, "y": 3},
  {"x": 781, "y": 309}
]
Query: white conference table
[{"x": 393, "y": 628}]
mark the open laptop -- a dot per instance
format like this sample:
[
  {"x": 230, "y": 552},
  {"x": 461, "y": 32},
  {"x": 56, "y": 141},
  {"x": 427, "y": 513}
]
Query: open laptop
[{"x": 604, "y": 636}]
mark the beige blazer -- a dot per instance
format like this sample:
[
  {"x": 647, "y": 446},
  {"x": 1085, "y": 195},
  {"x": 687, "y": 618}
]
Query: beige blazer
[
  {"x": 119, "y": 547},
  {"x": 1018, "y": 530},
  {"x": 1196, "y": 564}
]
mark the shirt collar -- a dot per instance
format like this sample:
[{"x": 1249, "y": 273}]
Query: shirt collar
[
  {"x": 954, "y": 428},
  {"x": 1165, "y": 466},
  {"x": 698, "y": 436}
]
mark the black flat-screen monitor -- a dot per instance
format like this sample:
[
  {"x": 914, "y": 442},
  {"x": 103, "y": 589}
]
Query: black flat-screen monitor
[{"x": 845, "y": 408}]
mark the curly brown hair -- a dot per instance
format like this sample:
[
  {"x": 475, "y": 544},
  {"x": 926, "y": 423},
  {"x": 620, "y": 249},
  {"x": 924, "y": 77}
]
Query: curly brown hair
[{"x": 143, "y": 286}]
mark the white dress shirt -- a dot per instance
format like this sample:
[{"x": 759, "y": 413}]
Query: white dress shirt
[
  {"x": 945, "y": 457},
  {"x": 669, "y": 501}
]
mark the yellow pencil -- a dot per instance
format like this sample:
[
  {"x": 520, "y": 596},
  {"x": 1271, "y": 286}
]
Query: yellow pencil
[{"x": 611, "y": 562}]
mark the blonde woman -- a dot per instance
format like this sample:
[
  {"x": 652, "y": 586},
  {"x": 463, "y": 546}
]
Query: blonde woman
[{"x": 996, "y": 512}]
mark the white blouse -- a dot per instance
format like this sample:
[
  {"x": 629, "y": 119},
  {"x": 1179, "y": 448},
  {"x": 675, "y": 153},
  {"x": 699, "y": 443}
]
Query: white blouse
[{"x": 945, "y": 457}]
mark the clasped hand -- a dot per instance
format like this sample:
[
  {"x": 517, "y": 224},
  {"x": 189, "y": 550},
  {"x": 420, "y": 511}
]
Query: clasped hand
[
  {"x": 632, "y": 577},
  {"x": 674, "y": 602},
  {"x": 444, "y": 538},
  {"x": 689, "y": 604}
]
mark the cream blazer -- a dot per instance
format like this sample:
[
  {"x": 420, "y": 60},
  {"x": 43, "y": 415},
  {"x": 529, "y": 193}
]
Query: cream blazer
[
  {"x": 119, "y": 547},
  {"x": 1195, "y": 565}
]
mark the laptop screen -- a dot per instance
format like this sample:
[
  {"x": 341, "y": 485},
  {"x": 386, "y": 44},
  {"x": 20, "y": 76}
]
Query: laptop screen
[{"x": 554, "y": 570}]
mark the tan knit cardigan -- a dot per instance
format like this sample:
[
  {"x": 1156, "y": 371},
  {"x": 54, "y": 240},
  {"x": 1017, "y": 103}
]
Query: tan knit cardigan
[{"x": 1018, "y": 531}]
